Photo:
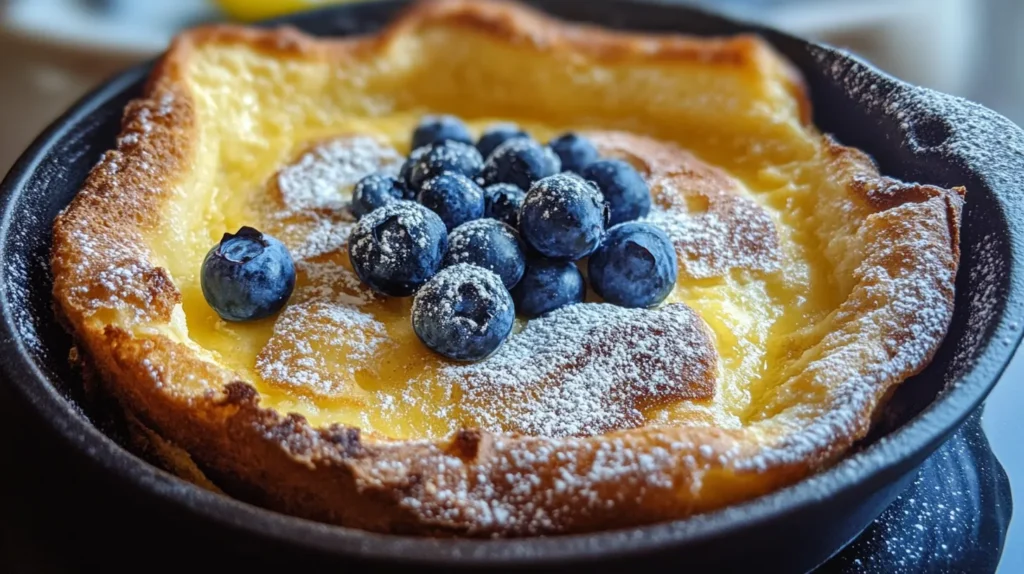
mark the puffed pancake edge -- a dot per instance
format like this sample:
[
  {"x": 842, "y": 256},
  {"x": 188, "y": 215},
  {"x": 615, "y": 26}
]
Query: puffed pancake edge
[{"x": 897, "y": 257}]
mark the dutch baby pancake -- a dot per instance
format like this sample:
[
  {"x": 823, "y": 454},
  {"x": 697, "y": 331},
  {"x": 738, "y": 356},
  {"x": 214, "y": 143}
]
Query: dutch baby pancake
[{"x": 489, "y": 273}]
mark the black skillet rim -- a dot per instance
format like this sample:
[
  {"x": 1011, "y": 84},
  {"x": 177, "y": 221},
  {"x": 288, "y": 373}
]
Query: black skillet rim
[{"x": 879, "y": 464}]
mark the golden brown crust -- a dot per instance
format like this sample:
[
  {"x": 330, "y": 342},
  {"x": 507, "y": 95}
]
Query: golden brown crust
[{"x": 896, "y": 259}]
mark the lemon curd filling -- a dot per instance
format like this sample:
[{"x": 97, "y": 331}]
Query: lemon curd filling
[{"x": 760, "y": 321}]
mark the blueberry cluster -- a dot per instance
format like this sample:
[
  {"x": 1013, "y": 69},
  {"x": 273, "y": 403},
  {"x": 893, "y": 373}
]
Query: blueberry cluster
[
  {"x": 480, "y": 232},
  {"x": 477, "y": 232}
]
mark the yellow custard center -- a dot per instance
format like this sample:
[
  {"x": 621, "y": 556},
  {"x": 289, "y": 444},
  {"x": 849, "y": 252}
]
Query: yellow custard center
[{"x": 389, "y": 384}]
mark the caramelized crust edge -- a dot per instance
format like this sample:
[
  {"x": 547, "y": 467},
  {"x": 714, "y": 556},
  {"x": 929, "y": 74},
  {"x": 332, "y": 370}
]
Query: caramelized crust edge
[{"x": 478, "y": 484}]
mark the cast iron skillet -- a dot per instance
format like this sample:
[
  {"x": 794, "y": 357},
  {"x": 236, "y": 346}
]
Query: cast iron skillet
[{"x": 914, "y": 134}]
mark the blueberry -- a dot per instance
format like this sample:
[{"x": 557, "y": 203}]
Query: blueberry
[
  {"x": 502, "y": 202},
  {"x": 563, "y": 217},
  {"x": 547, "y": 285},
  {"x": 247, "y": 276},
  {"x": 490, "y": 244},
  {"x": 497, "y": 134},
  {"x": 438, "y": 128},
  {"x": 624, "y": 190},
  {"x": 373, "y": 191},
  {"x": 575, "y": 151},
  {"x": 521, "y": 162},
  {"x": 395, "y": 249},
  {"x": 405, "y": 172},
  {"x": 463, "y": 313},
  {"x": 456, "y": 198},
  {"x": 635, "y": 266},
  {"x": 445, "y": 157}
]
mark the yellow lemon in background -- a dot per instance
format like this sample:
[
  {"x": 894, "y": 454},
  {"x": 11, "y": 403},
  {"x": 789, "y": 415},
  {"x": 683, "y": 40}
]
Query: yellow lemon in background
[{"x": 250, "y": 10}]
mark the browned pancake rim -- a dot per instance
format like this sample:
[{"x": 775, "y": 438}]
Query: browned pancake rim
[{"x": 479, "y": 484}]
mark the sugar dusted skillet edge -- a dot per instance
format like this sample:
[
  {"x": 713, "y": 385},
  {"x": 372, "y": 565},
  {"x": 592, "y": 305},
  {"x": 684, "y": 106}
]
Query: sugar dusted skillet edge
[{"x": 476, "y": 484}]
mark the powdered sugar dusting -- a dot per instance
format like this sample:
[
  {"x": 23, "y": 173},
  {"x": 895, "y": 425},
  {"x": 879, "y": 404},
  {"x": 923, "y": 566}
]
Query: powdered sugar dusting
[
  {"x": 983, "y": 305},
  {"x": 16, "y": 288},
  {"x": 735, "y": 234},
  {"x": 434, "y": 301},
  {"x": 891, "y": 322},
  {"x": 587, "y": 369},
  {"x": 447, "y": 156},
  {"x": 507, "y": 493},
  {"x": 17, "y": 283},
  {"x": 123, "y": 281},
  {"x": 324, "y": 176},
  {"x": 561, "y": 188},
  {"x": 469, "y": 234},
  {"x": 318, "y": 336},
  {"x": 324, "y": 235},
  {"x": 400, "y": 226},
  {"x": 332, "y": 281},
  {"x": 325, "y": 337},
  {"x": 936, "y": 125},
  {"x": 319, "y": 346},
  {"x": 467, "y": 243},
  {"x": 314, "y": 192},
  {"x": 714, "y": 227},
  {"x": 938, "y": 523}
]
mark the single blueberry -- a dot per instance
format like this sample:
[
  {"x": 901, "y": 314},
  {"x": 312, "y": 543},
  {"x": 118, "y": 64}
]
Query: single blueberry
[
  {"x": 395, "y": 249},
  {"x": 521, "y": 162},
  {"x": 635, "y": 266},
  {"x": 373, "y": 191},
  {"x": 502, "y": 202},
  {"x": 490, "y": 244},
  {"x": 563, "y": 217},
  {"x": 623, "y": 188},
  {"x": 454, "y": 197},
  {"x": 405, "y": 172},
  {"x": 438, "y": 128},
  {"x": 463, "y": 313},
  {"x": 445, "y": 157},
  {"x": 497, "y": 134},
  {"x": 575, "y": 151},
  {"x": 547, "y": 285},
  {"x": 248, "y": 275}
]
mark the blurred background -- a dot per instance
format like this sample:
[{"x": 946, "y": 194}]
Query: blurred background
[{"x": 53, "y": 51}]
